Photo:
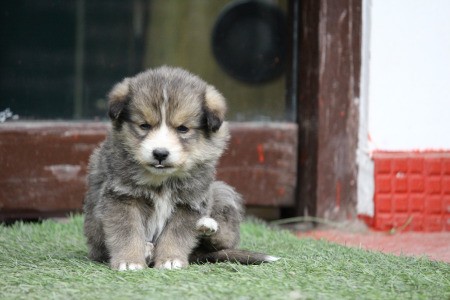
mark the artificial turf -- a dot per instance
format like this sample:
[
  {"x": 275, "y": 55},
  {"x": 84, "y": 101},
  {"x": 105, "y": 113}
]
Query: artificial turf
[{"x": 48, "y": 261}]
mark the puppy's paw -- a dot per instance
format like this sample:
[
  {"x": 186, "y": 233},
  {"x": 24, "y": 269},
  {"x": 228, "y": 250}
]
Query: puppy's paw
[
  {"x": 124, "y": 264},
  {"x": 127, "y": 266},
  {"x": 171, "y": 264},
  {"x": 207, "y": 226}
]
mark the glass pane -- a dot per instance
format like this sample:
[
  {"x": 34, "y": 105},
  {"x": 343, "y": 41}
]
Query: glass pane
[{"x": 60, "y": 58}]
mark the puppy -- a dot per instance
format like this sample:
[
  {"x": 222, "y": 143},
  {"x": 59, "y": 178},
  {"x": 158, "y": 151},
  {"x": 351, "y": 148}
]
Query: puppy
[{"x": 152, "y": 196}]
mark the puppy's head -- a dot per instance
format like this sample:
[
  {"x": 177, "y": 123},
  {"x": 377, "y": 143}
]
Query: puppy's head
[{"x": 169, "y": 120}]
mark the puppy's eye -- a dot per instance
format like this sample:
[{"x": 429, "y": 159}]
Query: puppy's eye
[
  {"x": 182, "y": 129},
  {"x": 145, "y": 126}
]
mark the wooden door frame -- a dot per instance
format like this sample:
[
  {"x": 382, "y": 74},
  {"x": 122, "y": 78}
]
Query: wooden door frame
[{"x": 328, "y": 110}]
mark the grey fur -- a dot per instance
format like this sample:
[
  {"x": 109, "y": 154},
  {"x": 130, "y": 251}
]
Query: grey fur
[{"x": 134, "y": 203}]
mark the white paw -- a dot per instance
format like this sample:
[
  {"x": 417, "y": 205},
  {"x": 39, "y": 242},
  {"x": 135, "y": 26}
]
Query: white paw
[
  {"x": 123, "y": 266},
  {"x": 207, "y": 226},
  {"x": 172, "y": 264}
]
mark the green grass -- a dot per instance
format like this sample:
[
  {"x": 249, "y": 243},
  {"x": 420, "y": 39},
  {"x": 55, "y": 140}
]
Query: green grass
[{"x": 48, "y": 261}]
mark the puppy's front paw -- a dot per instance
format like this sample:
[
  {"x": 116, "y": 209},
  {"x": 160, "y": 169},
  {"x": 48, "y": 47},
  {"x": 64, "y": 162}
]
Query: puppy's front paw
[
  {"x": 171, "y": 264},
  {"x": 126, "y": 266},
  {"x": 207, "y": 226}
]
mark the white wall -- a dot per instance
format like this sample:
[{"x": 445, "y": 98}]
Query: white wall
[
  {"x": 405, "y": 83},
  {"x": 408, "y": 74}
]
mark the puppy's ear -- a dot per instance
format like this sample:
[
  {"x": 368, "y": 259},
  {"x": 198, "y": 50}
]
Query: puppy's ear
[
  {"x": 118, "y": 98},
  {"x": 214, "y": 108}
]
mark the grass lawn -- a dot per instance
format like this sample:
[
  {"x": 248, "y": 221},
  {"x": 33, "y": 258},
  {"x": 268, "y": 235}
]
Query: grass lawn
[{"x": 48, "y": 260}]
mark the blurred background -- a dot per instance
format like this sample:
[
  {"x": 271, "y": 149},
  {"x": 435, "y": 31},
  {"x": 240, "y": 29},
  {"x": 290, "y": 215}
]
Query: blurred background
[
  {"x": 339, "y": 108},
  {"x": 60, "y": 58}
]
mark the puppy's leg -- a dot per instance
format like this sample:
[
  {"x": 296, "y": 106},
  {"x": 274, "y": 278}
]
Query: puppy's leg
[
  {"x": 177, "y": 241},
  {"x": 95, "y": 238},
  {"x": 124, "y": 234},
  {"x": 227, "y": 211}
]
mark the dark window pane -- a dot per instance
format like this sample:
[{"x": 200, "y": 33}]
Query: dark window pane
[{"x": 60, "y": 58}]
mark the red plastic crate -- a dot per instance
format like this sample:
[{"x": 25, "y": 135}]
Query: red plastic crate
[{"x": 412, "y": 191}]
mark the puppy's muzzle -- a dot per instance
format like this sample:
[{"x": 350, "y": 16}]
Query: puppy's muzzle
[{"x": 160, "y": 154}]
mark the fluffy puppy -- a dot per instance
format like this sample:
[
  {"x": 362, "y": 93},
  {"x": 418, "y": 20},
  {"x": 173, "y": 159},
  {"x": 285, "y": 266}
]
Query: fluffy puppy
[{"x": 152, "y": 195}]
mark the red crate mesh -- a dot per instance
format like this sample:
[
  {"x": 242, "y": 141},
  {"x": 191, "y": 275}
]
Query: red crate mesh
[{"x": 412, "y": 191}]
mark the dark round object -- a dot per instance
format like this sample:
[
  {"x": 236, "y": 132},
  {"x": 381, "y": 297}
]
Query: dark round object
[{"x": 249, "y": 41}]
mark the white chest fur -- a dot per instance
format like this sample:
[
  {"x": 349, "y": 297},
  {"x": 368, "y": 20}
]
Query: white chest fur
[{"x": 163, "y": 208}]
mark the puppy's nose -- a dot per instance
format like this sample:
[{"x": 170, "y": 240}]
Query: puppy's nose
[{"x": 160, "y": 154}]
